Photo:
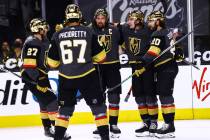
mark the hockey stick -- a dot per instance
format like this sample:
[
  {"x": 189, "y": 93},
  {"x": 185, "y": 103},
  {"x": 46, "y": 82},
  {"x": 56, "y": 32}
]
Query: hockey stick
[
  {"x": 128, "y": 95},
  {"x": 162, "y": 53},
  {"x": 31, "y": 82},
  {"x": 190, "y": 63},
  {"x": 5, "y": 70},
  {"x": 113, "y": 88},
  {"x": 185, "y": 61}
]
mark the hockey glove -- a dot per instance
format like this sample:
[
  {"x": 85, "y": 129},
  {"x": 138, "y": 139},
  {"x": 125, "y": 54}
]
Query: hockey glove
[
  {"x": 179, "y": 55},
  {"x": 140, "y": 71},
  {"x": 42, "y": 84},
  {"x": 42, "y": 89},
  {"x": 58, "y": 27}
]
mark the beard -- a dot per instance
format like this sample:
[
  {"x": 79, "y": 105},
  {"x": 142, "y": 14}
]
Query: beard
[{"x": 100, "y": 25}]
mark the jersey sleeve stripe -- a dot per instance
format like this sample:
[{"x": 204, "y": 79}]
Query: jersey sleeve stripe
[
  {"x": 100, "y": 57},
  {"x": 152, "y": 53},
  {"x": 153, "y": 50},
  {"x": 29, "y": 63},
  {"x": 52, "y": 63}
]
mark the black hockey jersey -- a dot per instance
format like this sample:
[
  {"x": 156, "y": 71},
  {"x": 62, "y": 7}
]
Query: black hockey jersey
[
  {"x": 109, "y": 39},
  {"x": 136, "y": 42},
  {"x": 34, "y": 54},
  {"x": 159, "y": 42},
  {"x": 74, "y": 49}
]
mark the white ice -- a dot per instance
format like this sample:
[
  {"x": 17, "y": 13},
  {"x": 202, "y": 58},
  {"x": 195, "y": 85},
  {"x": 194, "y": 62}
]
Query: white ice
[{"x": 189, "y": 129}]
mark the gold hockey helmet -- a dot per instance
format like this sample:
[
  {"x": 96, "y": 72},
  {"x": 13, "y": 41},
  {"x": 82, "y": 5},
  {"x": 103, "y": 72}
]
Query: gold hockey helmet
[
  {"x": 136, "y": 14},
  {"x": 157, "y": 15},
  {"x": 73, "y": 12},
  {"x": 38, "y": 24}
]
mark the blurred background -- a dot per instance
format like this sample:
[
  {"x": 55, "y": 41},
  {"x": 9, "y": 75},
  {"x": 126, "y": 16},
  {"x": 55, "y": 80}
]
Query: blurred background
[{"x": 15, "y": 15}]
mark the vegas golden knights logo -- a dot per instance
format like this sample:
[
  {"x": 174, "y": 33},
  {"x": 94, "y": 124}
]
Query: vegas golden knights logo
[
  {"x": 134, "y": 45},
  {"x": 105, "y": 41}
]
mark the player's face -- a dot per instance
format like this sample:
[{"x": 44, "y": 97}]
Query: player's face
[
  {"x": 131, "y": 22},
  {"x": 100, "y": 21},
  {"x": 45, "y": 30},
  {"x": 151, "y": 24}
]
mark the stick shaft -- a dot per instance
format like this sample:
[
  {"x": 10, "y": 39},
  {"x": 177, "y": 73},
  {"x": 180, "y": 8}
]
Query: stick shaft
[
  {"x": 34, "y": 83},
  {"x": 190, "y": 63}
]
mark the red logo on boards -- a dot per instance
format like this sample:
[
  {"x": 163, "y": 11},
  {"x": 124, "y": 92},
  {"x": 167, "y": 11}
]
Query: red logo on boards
[{"x": 202, "y": 86}]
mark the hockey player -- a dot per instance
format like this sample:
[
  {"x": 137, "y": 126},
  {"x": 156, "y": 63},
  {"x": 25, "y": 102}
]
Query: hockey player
[
  {"x": 74, "y": 49},
  {"x": 109, "y": 38},
  {"x": 166, "y": 69},
  {"x": 136, "y": 37},
  {"x": 34, "y": 70}
]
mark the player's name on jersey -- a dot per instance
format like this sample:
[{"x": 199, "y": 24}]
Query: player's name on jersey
[{"x": 72, "y": 34}]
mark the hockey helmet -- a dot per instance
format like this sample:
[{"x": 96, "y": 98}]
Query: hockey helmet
[
  {"x": 102, "y": 12},
  {"x": 38, "y": 24},
  {"x": 157, "y": 15},
  {"x": 137, "y": 15},
  {"x": 73, "y": 12}
]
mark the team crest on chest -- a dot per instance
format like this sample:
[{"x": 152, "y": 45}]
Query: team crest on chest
[
  {"x": 134, "y": 45},
  {"x": 105, "y": 41}
]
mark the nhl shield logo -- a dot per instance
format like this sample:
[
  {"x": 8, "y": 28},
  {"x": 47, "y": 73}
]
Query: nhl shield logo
[
  {"x": 105, "y": 41},
  {"x": 134, "y": 45}
]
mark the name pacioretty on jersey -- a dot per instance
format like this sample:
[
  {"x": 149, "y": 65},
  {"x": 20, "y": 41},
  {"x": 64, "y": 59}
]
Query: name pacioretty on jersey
[{"x": 68, "y": 34}]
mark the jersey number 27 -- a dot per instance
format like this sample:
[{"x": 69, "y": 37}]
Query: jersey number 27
[{"x": 32, "y": 51}]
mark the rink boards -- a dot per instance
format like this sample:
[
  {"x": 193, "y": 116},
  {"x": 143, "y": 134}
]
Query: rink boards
[{"x": 191, "y": 93}]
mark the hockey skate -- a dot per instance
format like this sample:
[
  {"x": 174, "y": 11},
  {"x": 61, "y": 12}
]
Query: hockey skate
[
  {"x": 66, "y": 137},
  {"x": 115, "y": 131},
  {"x": 143, "y": 131},
  {"x": 96, "y": 134},
  {"x": 152, "y": 129},
  {"x": 49, "y": 132},
  {"x": 167, "y": 131}
]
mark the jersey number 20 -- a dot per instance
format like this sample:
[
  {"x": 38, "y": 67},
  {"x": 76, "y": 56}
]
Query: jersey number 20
[{"x": 67, "y": 53}]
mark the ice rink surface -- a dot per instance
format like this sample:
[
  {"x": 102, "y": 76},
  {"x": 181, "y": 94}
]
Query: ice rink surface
[{"x": 185, "y": 130}]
